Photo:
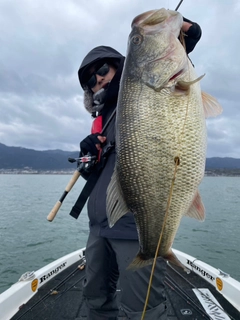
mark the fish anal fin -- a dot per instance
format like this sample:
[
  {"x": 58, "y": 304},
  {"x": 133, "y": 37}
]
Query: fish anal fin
[
  {"x": 211, "y": 106},
  {"x": 196, "y": 210},
  {"x": 116, "y": 206}
]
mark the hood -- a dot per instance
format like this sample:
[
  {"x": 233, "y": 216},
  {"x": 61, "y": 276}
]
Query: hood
[{"x": 96, "y": 54}]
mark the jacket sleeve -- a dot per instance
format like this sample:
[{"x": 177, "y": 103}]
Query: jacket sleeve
[{"x": 193, "y": 35}]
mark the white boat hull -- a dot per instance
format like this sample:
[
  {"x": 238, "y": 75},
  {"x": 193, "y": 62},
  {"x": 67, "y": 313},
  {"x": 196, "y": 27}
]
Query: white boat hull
[
  {"x": 227, "y": 286},
  {"x": 19, "y": 293}
]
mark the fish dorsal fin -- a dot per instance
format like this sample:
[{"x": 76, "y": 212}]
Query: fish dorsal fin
[
  {"x": 196, "y": 210},
  {"x": 116, "y": 206},
  {"x": 211, "y": 106}
]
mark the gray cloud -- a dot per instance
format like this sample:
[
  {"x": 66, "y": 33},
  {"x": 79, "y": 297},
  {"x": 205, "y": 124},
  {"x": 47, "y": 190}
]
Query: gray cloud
[{"x": 43, "y": 44}]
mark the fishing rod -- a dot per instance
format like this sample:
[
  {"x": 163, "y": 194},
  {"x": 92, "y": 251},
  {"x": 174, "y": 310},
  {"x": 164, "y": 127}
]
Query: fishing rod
[
  {"x": 178, "y": 5},
  {"x": 192, "y": 285},
  {"x": 185, "y": 296},
  {"x": 76, "y": 175},
  {"x": 55, "y": 289}
]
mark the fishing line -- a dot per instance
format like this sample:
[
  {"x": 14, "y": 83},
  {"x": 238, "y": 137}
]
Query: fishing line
[
  {"x": 182, "y": 40},
  {"x": 160, "y": 237}
]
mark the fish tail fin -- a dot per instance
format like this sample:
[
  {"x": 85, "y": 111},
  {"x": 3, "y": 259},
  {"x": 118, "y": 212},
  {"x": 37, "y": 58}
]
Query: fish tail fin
[
  {"x": 172, "y": 258},
  {"x": 139, "y": 262}
]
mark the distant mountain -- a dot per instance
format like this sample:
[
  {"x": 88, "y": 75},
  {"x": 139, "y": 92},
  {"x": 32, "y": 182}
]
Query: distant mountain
[
  {"x": 222, "y": 163},
  {"x": 21, "y": 158}
]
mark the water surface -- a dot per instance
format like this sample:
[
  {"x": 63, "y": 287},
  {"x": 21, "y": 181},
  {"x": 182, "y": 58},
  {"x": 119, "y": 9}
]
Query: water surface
[{"x": 28, "y": 241}]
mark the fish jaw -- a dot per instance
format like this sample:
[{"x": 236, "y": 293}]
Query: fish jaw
[
  {"x": 156, "y": 20},
  {"x": 173, "y": 67},
  {"x": 158, "y": 54}
]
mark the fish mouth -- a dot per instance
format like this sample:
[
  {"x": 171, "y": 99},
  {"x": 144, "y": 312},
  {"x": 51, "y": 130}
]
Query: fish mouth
[{"x": 176, "y": 75}]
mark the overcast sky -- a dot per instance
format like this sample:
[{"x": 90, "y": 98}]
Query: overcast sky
[{"x": 43, "y": 43}]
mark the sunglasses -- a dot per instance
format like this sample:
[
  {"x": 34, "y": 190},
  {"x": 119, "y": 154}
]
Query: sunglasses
[{"x": 102, "y": 71}]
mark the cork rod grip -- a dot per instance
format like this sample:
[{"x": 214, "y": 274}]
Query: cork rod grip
[{"x": 57, "y": 206}]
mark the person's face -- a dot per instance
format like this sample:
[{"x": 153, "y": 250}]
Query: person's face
[{"x": 100, "y": 76}]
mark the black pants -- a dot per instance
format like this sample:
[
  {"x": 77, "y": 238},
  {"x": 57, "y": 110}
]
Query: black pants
[{"x": 106, "y": 263}]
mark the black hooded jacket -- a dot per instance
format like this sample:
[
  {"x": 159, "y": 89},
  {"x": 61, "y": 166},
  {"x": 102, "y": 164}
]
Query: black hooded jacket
[{"x": 125, "y": 228}]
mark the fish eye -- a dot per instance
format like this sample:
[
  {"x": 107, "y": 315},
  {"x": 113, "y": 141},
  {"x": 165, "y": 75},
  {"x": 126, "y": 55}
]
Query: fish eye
[{"x": 137, "y": 40}]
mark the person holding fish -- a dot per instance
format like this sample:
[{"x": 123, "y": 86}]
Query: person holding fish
[{"x": 110, "y": 250}]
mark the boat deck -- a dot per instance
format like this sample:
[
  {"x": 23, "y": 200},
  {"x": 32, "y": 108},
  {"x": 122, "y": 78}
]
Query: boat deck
[{"x": 61, "y": 298}]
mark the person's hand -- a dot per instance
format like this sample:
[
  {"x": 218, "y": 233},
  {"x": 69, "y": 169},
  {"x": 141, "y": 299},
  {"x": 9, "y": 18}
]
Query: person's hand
[
  {"x": 92, "y": 144},
  {"x": 185, "y": 26}
]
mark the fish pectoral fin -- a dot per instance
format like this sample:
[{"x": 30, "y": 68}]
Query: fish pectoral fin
[
  {"x": 196, "y": 210},
  {"x": 185, "y": 85},
  {"x": 116, "y": 205},
  {"x": 211, "y": 106}
]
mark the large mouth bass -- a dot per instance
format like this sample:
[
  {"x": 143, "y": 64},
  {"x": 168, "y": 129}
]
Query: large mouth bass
[{"x": 160, "y": 136}]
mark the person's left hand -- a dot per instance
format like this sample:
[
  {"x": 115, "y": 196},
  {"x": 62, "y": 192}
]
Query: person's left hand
[{"x": 92, "y": 144}]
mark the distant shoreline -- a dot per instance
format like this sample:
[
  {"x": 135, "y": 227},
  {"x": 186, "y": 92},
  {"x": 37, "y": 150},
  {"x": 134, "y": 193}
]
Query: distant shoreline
[
  {"x": 208, "y": 173},
  {"x": 37, "y": 172}
]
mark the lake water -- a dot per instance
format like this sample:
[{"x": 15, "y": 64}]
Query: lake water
[{"x": 28, "y": 241}]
